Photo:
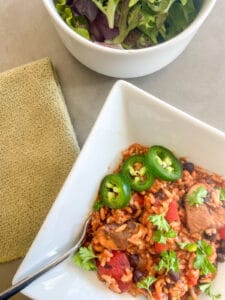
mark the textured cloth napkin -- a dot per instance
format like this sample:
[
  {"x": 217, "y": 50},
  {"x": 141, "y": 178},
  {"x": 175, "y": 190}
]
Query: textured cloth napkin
[{"x": 37, "y": 149}]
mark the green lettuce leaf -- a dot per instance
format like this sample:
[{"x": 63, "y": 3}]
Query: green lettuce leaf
[
  {"x": 78, "y": 23},
  {"x": 108, "y": 7}
]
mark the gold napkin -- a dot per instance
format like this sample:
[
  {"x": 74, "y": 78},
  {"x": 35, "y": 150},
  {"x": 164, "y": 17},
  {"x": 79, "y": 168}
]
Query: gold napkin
[{"x": 37, "y": 149}]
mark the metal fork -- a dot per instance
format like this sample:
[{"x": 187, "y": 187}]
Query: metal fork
[{"x": 20, "y": 285}]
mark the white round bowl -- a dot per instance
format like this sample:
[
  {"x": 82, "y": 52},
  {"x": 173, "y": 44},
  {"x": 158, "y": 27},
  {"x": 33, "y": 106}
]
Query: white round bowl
[{"x": 126, "y": 63}]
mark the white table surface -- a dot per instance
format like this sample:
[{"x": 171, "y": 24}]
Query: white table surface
[{"x": 195, "y": 82}]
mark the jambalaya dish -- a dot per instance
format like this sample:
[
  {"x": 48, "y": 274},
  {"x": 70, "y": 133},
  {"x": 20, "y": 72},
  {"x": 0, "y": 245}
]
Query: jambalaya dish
[{"x": 157, "y": 227}]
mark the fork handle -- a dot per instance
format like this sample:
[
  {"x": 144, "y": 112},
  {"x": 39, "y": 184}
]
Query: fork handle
[{"x": 20, "y": 285}]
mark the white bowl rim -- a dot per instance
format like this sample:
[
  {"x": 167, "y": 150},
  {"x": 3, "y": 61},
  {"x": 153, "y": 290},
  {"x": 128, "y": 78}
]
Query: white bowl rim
[{"x": 200, "y": 18}]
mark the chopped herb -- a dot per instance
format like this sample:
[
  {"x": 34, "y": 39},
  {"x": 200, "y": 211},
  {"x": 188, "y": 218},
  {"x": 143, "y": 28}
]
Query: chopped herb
[
  {"x": 169, "y": 261},
  {"x": 190, "y": 247},
  {"x": 98, "y": 205},
  {"x": 206, "y": 288},
  {"x": 197, "y": 196},
  {"x": 222, "y": 194},
  {"x": 146, "y": 283},
  {"x": 202, "y": 262},
  {"x": 161, "y": 236},
  {"x": 160, "y": 222},
  {"x": 163, "y": 229},
  {"x": 204, "y": 248},
  {"x": 183, "y": 245},
  {"x": 84, "y": 258}
]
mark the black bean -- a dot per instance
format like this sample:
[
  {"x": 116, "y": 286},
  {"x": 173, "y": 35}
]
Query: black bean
[
  {"x": 220, "y": 250},
  {"x": 182, "y": 202},
  {"x": 222, "y": 243},
  {"x": 210, "y": 236},
  {"x": 188, "y": 166},
  {"x": 174, "y": 276},
  {"x": 207, "y": 197},
  {"x": 209, "y": 180},
  {"x": 133, "y": 258},
  {"x": 137, "y": 276},
  {"x": 220, "y": 257},
  {"x": 160, "y": 194}
]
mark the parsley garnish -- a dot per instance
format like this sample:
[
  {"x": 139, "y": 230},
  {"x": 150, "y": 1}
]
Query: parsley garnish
[
  {"x": 190, "y": 247},
  {"x": 163, "y": 229},
  {"x": 197, "y": 196},
  {"x": 202, "y": 262},
  {"x": 222, "y": 194},
  {"x": 98, "y": 205},
  {"x": 84, "y": 258},
  {"x": 169, "y": 261},
  {"x": 146, "y": 283},
  {"x": 161, "y": 236},
  {"x": 160, "y": 222},
  {"x": 206, "y": 288}
]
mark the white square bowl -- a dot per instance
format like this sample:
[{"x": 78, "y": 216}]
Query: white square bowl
[{"x": 129, "y": 115}]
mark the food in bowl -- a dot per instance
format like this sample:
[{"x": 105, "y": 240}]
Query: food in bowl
[
  {"x": 127, "y": 24},
  {"x": 158, "y": 227}
]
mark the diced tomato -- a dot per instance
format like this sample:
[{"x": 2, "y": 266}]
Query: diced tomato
[
  {"x": 222, "y": 232},
  {"x": 172, "y": 213},
  {"x": 192, "y": 277},
  {"x": 160, "y": 247},
  {"x": 116, "y": 268}
]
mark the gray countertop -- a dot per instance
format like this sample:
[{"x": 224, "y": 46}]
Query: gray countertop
[{"x": 195, "y": 82}]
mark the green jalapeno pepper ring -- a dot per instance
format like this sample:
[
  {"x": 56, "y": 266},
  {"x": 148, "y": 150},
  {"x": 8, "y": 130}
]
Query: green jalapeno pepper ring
[
  {"x": 163, "y": 163},
  {"x": 114, "y": 191},
  {"x": 140, "y": 178}
]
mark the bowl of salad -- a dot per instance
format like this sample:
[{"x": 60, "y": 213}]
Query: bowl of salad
[{"x": 127, "y": 38}]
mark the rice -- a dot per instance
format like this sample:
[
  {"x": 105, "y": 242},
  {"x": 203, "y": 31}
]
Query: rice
[{"x": 155, "y": 201}]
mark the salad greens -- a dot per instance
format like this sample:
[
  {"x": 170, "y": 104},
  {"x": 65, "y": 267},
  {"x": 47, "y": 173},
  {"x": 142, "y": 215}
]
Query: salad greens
[
  {"x": 77, "y": 23},
  {"x": 108, "y": 8},
  {"x": 127, "y": 23}
]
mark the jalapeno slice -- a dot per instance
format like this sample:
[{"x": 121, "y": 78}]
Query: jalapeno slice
[
  {"x": 163, "y": 163},
  {"x": 115, "y": 191},
  {"x": 135, "y": 169}
]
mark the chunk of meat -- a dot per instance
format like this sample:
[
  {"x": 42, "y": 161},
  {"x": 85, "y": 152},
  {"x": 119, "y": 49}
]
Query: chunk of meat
[
  {"x": 117, "y": 272},
  {"x": 118, "y": 237},
  {"x": 204, "y": 216}
]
